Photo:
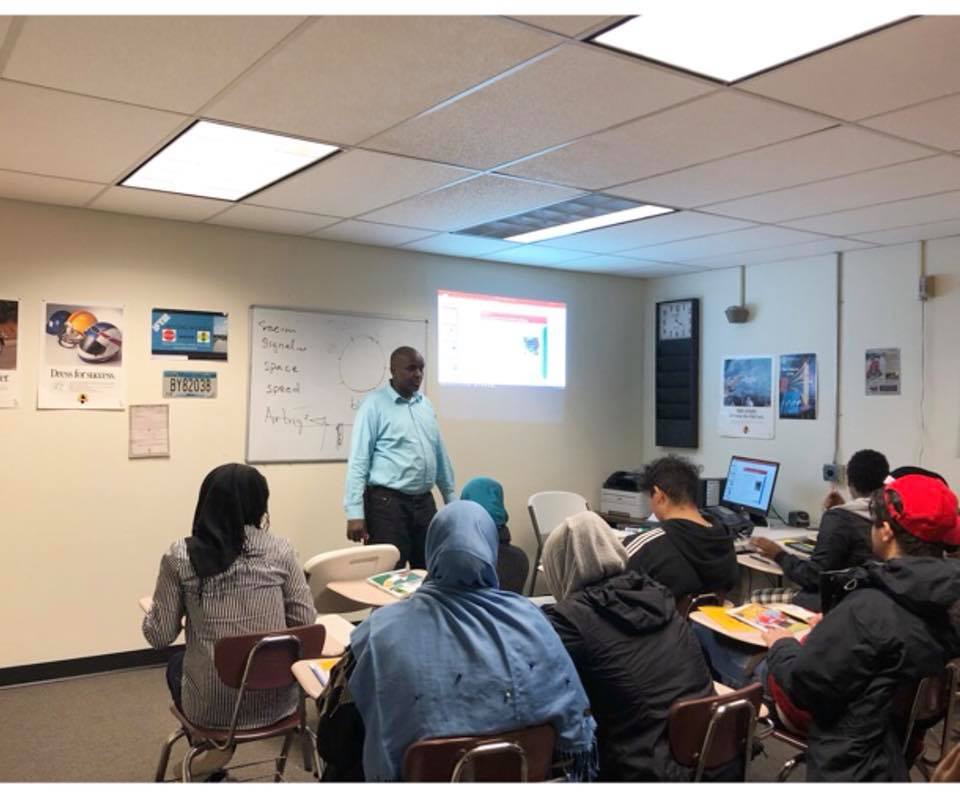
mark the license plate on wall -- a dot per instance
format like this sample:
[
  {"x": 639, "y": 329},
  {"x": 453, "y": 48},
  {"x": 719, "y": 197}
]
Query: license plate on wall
[{"x": 189, "y": 384}]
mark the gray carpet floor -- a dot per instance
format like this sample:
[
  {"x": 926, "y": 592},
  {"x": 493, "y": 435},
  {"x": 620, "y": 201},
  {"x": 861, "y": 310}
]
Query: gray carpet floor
[
  {"x": 101, "y": 728},
  {"x": 110, "y": 727}
]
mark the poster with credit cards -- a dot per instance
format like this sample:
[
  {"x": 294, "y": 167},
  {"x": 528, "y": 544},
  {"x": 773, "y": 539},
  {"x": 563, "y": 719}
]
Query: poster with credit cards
[{"x": 188, "y": 334}]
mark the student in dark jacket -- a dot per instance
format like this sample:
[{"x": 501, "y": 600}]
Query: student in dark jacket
[
  {"x": 687, "y": 552},
  {"x": 513, "y": 565},
  {"x": 634, "y": 653},
  {"x": 898, "y": 622},
  {"x": 843, "y": 540}
]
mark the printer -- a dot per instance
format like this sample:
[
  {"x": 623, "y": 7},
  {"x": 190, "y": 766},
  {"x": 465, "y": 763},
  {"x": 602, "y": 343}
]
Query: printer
[{"x": 620, "y": 496}]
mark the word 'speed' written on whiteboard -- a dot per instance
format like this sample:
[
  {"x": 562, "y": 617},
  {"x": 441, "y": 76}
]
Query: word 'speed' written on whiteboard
[{"x": 309, "y": 372}]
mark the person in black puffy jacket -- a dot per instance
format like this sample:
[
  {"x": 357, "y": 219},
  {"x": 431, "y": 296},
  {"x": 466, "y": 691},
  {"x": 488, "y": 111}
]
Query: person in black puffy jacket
[
  {"x": 634, "y": 653},
  {"x": 843, "y": 540},
  {"x": 896, "y": 622}
]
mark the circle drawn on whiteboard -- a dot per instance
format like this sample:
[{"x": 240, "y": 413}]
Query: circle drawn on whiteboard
[{"x": 363, "y": 365}]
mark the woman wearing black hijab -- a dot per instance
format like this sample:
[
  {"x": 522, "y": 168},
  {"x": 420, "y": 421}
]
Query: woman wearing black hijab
[{"x": 231, "y": 577}]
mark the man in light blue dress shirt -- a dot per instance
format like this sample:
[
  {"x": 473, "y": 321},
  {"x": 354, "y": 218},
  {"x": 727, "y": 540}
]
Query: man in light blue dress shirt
[{"x": 396, "y": 457}]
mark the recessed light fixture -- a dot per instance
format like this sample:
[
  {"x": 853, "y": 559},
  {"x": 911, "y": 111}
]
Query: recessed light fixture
[
  {"x": 590, "y": 223},
  {"x": 729, "y": 41},
  {"x": 212, "y": 160},
  {"x": 567, "y": 217}
]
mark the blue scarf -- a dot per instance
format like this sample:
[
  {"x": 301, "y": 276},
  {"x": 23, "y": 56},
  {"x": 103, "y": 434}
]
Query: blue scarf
[
  {"x": 461, "y": 657},
  {"x": 488, "y": 493}
]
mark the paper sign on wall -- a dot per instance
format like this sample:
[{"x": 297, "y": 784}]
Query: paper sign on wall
[
  {"x": 747, "y": 407},
  {"x": 882, "y": 371},
  {"x": 81, "y": 357},
  {"x": 9, "y": 377},
  {"x": 798, "y": 386}
]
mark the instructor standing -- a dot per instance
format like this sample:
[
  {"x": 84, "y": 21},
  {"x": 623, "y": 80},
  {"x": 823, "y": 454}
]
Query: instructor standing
[{"x": 396, "y": 457}]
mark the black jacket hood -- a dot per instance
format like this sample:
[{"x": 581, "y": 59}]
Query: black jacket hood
[
  {"x": 632, "y": 601},
  {"x": 926, "y": 586},
  {"x": 708, "y": 549}
]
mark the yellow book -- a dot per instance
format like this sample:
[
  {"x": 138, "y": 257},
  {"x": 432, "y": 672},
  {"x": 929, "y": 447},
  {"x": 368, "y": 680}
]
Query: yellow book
[{"x": 720, "y": 616}]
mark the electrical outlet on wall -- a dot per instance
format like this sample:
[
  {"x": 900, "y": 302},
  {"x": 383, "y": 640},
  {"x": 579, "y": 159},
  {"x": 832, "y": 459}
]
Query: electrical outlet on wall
[{"x": 832, "y": 472}]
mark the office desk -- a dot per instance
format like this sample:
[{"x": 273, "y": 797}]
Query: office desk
[{"x": 362, "y": 592}]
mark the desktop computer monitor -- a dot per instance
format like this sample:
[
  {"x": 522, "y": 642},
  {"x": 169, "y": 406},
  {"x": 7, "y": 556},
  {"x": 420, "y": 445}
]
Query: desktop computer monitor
[{"x": 749, "y": 485}]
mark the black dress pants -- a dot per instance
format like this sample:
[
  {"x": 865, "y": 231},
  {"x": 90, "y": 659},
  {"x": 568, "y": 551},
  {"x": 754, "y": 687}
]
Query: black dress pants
[{"x": 400, "y": 519}]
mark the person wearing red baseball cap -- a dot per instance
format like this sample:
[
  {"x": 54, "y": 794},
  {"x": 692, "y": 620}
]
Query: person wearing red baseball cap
[{"x": 897, "y": 621}]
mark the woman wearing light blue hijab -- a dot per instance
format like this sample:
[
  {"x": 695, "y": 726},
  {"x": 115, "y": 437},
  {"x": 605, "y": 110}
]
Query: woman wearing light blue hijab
[
  {"x": 513, "y": 565},
  {"x": 461, "y": 657}
]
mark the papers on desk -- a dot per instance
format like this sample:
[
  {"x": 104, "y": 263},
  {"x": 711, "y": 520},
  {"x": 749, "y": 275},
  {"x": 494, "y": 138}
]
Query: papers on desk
[
  {"x": 402, "y": 583},
  {"x": 764, "y": 617},
  {"x": 733, "y": 621}
]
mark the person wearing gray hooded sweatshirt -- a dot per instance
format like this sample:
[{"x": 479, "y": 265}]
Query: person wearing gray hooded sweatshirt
[{"x": 843, "y": 540}]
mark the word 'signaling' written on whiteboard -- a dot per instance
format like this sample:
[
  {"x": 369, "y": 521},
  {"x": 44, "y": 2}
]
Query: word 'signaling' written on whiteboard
[{"x": 309, "y": 373}]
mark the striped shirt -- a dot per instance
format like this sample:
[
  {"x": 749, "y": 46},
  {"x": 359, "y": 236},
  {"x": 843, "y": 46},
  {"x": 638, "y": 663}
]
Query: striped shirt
[
  {"x": 636, "y": 543},
  {"x": 265, "y": 589}
]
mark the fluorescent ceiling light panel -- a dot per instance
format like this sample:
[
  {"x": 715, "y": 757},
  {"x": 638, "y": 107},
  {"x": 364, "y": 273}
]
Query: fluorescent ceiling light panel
[
  {"x": 225, "y": 162},
  {"x": 731, "y": 40},
  {"x": 590, "y": 223}
]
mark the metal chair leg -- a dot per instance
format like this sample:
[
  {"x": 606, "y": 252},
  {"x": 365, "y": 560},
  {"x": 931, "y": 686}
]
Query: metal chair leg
[
  {"x": 188, "y": 762},
  {"x": 306, "y": 742},
  {"x": 281, "y": 765},
  {"x": 533, "y": 569},
  {"x": 165, "y": 754},
  {"x": 790, "y": 765}
]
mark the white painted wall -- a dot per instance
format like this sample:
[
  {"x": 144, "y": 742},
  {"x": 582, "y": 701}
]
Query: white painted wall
[
  {"x": 84, "y": 527},
  {"x": 793, "y": 309}
]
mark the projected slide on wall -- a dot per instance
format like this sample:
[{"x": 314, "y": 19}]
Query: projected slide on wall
[{"x": 495, "y": 340}]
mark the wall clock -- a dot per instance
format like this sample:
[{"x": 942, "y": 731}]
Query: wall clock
[{"x": 677, "y": 376}]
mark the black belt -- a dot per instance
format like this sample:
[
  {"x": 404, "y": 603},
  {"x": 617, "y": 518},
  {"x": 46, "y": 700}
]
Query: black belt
[{"x": 399, "y": 493}]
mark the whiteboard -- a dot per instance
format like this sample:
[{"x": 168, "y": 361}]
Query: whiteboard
[{"x": 309, "y": 372}]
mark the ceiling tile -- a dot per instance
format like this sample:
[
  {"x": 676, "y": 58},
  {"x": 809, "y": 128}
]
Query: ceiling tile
[
  {"x": 671, "y": 139},
  {"x": 663, "y": 228},
  {"x": 658, "y": 270},
  {"x": 935, "y": 123},
  {"x": 914, "y": 61},
  {"x": 921, "y": 177},
  {"x": 927, "y": 231},
  {"x": 459, "y": 245},
  {"x": 372, "y": 233},
  {"x": 157, "y": 204},
  {"x": 357, "y": 181},
  {"x": 539, "y": 255},
  {"x": 567, "y": 93},
  {"x": 343, "y": 79},
  {"x": 54, "y": 133},
  {"x": 763, "y": 255},
  {"x": 914, "y": 211},
  {"x": 43, "y": 189},
  {"x": 471, "y": 202},
  {"x": 747, "y": 239},
  {"x": 276, "y": 220},
  {"x": 816, "y": 156},
  {"x": 568, "y": 25},
  {"x": 176, "y": 63},
  {"x": 603, "y": 264}
]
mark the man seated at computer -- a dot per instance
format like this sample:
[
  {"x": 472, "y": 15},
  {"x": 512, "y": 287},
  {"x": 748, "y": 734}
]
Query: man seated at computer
[
  {"x": 842, "y": 542},
  {"x": 687, "y": 553}
]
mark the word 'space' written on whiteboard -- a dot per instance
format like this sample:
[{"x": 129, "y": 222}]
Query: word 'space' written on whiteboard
[{"x": 309, "y": 372}]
